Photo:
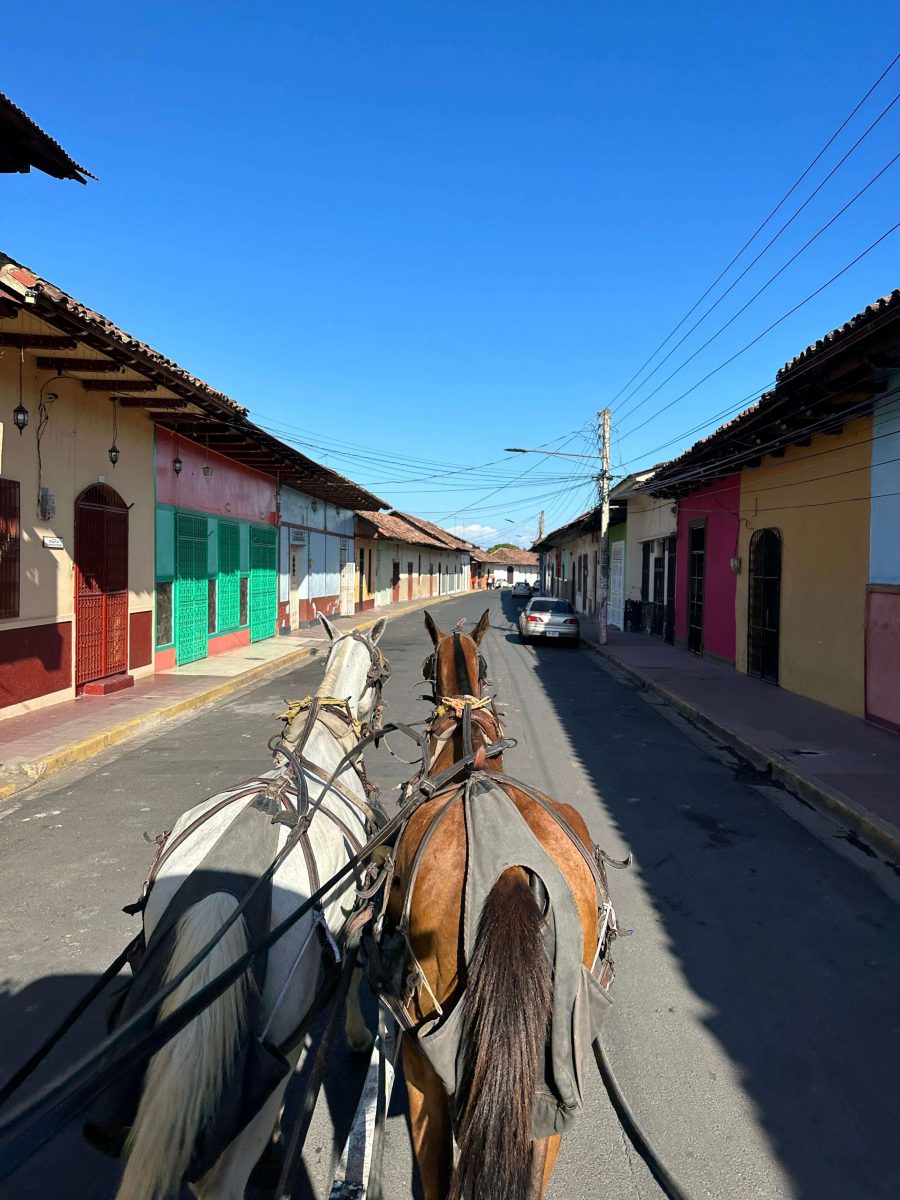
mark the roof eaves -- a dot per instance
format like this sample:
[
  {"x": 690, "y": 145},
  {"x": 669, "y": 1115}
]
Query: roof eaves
[{"x": 25, "y": 144}]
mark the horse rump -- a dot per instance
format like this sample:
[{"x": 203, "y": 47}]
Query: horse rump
[
  {"x": 504, "y": 1030},
  {"x": 186, "y": 1078}
]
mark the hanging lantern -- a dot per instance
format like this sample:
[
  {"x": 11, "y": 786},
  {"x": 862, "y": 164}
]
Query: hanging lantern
[
  {"x": 20, "y": 416},
  {"x": 207, "y": 471},
  {"x": 114, "y": 449},
  {"x": 114, "y": 454},
  {"x": 177, "y": 465},
  {"x": 20, "y": 412}
]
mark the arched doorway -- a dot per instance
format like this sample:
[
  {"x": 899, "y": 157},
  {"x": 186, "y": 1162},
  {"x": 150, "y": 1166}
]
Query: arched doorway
[
  {"x": 764, "y": 616},
  {"x": 101, "y": 584}
]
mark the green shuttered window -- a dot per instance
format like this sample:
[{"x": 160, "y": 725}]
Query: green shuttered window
[{"x": 229, "y": 576}]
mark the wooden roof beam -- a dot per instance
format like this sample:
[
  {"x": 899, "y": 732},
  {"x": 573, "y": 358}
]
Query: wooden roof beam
[
  {"x": 119, "y": 385},
  {"x": 151, "y": 402},
  {"x": 38, "y": 341},
  {"x": 78, "y": 364}
]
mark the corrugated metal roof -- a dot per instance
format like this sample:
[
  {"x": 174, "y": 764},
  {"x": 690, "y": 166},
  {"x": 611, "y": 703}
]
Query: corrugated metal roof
[{"x": 23, "y": 145}]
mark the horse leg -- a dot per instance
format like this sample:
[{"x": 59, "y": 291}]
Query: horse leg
[
  {"x": 543, "y": 1161},
  {"x": 429, "y": 1119},
  {"x": 227, "y": 1178},
  {"x": 360, "y": 1038}
]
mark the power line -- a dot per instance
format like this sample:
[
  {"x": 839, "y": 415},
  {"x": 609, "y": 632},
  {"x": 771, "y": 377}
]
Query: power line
[
  {"x": 760, "y": 291},
  {"x": 760, "y": 227},
  {"x": 766, "y": 331}
]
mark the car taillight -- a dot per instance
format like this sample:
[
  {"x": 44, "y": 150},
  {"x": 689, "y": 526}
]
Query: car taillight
[
  {"x": 531, "y": 617},
  {"x": 570, "y": 621}
]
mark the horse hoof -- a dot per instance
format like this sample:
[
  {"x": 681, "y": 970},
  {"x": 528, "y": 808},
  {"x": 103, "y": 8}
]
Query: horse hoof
[{"x": 361, "y": 1045}]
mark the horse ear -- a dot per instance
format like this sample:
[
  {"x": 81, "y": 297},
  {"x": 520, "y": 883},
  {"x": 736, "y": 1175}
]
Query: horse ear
[
  {"x": 482, "y": 627},
  {"x": 328, "y": 627},
  {"x": 377, "y": 630},
  {"x": 433, "y": 631}
]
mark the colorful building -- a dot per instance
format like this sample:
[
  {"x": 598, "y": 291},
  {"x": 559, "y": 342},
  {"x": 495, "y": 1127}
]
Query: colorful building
[{"x": 788, "y": 554}]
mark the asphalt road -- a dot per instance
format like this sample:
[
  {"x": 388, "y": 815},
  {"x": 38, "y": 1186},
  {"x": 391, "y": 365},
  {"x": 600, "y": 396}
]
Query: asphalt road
[{"x": 755, "y": 1025}]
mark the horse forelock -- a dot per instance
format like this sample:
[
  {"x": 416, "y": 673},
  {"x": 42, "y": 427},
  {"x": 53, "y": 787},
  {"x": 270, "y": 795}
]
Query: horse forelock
[{"x": 341, "y": 663}]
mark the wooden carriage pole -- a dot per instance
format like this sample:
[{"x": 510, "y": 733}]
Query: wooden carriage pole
[{"x": 603, "y": 477}]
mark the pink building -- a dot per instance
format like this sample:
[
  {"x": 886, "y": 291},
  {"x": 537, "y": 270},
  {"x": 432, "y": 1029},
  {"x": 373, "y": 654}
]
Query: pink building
[{"x": 705, "y": 587}]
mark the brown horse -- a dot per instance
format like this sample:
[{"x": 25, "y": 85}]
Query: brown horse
[{"x": 505, "y": 987}]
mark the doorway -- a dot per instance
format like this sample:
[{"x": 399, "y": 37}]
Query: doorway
[
  {"x": 263, "y": 581},
  {"x": 616, "y": 612},
  {"x": 764, "y": 616},
  {"x": 346, "y": 582},
  {"x": 669, "y": 632},
  {"x": 409, "y": 581},
  {"x": 696, "y": 582},
  {"x": 101, "y": 584},
  {"x": 395, "y": 583}
]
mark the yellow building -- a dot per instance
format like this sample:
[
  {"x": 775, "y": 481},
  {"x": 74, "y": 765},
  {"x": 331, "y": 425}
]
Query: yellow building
[
  {"x": 76, "y": 577},
  {"x": 804, "y": 532}
]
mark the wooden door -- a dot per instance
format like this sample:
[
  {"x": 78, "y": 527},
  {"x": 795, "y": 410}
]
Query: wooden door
[
  {"x": 395, "y": 583},
  {"x": 764, "y": 615},
  {"x": 101, "y": 584},
  {"x": 409, "y": 581}
]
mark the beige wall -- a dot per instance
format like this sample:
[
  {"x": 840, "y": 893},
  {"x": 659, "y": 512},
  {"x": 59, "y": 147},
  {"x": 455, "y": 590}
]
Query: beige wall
[
  {"x": 74, "y": 454},
  {"x": 648, "y": 517},
  {"x": 825, "y": 559}
]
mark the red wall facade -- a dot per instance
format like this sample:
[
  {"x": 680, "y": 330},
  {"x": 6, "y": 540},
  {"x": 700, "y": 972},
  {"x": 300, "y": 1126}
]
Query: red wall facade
[
  {"x": 232, "y": 490},
  {"x": 140, "y": 639},
  {"x": 719, "y": 504},
  {"x": 35, "y": 662}
]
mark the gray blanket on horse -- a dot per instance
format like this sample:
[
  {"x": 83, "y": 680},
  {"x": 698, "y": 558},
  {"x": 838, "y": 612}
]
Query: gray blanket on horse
[
  {"x": 497, "y": 838},
  {"x": 251, "y": 840}
]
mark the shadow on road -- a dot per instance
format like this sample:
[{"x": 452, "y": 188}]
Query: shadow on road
[{"x": 799, "y": 990}]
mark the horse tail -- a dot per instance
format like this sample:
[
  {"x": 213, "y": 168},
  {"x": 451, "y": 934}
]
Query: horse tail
[
  {"x": 187, "y": 1076},
  {"x": 507, "y": 1010}
]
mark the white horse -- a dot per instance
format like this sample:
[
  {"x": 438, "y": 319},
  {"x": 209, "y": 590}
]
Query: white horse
[{"x": 187, "y": 1079}]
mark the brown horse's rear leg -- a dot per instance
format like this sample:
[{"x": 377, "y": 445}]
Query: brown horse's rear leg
[
  {"x": 429, "y": 1118},
  {"x": 542, "y": 1163}
]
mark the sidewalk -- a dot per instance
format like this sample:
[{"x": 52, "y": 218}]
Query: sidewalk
[
  {"x": 832, "y": 760},
  {"x": 37, "y": 745}
]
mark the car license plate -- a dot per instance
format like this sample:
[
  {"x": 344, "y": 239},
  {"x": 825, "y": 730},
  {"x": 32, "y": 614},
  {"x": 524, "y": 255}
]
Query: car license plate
[{"x": 552, "y": 633}]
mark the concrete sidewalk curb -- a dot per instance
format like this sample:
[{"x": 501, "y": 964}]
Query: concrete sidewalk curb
[
  {"x": 880, "y": 834},
  {"x": 30, "y": 773}
]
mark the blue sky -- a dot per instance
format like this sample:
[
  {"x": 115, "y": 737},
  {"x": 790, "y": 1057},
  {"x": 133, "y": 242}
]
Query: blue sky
[{"x": 409, "y": 235}]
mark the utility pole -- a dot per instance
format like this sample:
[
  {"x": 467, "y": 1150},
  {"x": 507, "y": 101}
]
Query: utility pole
[
  {"x": 603, "y": 499},
  {"x": 540, "y": 536}
]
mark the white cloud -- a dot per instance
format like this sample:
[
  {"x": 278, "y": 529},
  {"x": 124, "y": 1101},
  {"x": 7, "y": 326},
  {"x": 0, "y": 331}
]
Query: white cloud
[{"x": 475, "y": 532}]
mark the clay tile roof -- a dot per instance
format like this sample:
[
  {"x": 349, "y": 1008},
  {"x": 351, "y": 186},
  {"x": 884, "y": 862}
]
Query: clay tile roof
[
  {"x": 24, "y": 145},
  {"x": 436, "y": 531},
  {"x": 585, "y": 523},
  {"x": 872, "y": 312},
  {"x": 504, "y": 556},
  {"x": 397, "y": 528}
]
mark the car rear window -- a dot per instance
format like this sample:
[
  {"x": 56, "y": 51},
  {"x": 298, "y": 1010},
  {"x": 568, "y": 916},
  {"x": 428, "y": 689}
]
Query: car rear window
[{"x": 551, "y": 606}]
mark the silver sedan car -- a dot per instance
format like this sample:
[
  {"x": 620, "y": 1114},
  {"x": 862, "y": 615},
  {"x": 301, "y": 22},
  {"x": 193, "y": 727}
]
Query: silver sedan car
[{"x": 543, "y": 617}]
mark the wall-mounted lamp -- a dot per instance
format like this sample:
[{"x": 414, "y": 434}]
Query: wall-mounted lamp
[
  {"x": 314, "y": 506},
  {"x": 20, "y": 417},
  {"x": 228, "y": 506},
  {"x": 736, "y": 565},
  {"x": 177, "y": 465},
  {"x": 207, "y": 471}
]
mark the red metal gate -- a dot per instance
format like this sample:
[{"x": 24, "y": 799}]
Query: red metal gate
[{"x": 101, "y": 584}]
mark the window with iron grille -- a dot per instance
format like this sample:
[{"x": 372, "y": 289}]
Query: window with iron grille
[{"x": 10, "y": 534}]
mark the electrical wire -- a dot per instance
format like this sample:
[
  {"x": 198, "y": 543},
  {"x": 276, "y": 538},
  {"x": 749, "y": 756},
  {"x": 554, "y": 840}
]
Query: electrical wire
[
  {"x": 760, "y": 227},
  {"x": 757, "y": 293},
  {"x": 784, "y": 316}
]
